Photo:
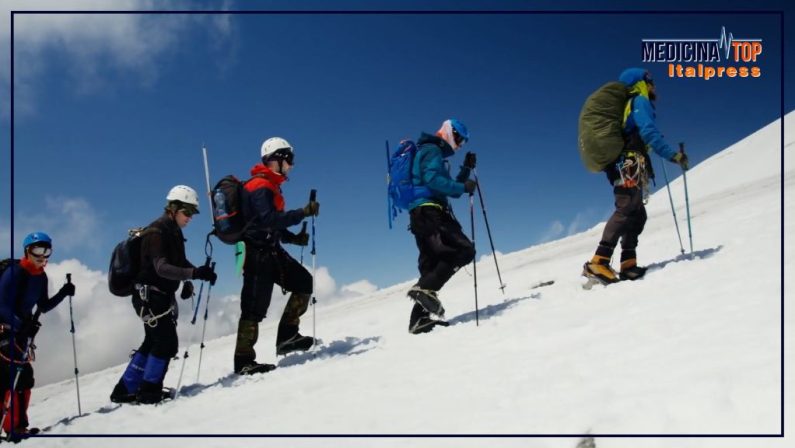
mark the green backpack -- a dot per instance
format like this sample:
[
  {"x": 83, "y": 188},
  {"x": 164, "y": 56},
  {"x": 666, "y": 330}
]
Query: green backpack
[{"x": 601, "y": 136}]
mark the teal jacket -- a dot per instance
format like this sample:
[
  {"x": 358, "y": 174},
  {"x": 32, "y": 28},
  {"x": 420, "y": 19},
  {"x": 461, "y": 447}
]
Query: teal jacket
[{"x": 429, "y": 169}]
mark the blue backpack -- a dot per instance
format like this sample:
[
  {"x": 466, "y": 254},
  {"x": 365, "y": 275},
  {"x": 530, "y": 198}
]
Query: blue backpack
[{"x": 401, "y": 191}]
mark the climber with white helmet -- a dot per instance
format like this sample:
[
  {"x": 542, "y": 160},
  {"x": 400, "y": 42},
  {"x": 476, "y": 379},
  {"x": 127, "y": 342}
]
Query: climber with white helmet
[
  {"x": 267, "y": 263},
  {"x": 163, "y": 265}
]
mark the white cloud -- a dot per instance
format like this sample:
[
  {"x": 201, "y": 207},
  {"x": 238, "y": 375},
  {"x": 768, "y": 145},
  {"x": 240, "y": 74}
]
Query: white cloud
[
  {"x": 489, "y": 256},
  {"x": 106, "y": 328},
  {"x": 97, "y": 47},
  {"x": 554, "y": 231},
  {"x": 578, "y": 224},
  {"x": 325, "y": 285},
  {"x": 359, "y": 288},
  {"x": 73, "y": 223}
]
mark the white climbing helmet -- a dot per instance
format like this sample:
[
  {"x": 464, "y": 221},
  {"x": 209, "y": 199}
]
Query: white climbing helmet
[
  {"x": 276, "y": 147},
  {"x": 184, "y": 194}
]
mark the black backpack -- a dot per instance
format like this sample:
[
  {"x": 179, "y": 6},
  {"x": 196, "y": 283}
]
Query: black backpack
[
  {"x": 229, "y": 224},
  {"x": 4, "y": 264},
  {"x": 125, "y": 262},
  {"x": 7, "y": 263}
]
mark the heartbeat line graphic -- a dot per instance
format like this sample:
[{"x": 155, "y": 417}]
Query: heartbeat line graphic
[{"x": 725, "y": 42}]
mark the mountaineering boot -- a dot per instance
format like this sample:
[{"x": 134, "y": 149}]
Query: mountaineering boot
[
  {"x": 599, "y": 269},
  {"x": 425, "y": 325},
  {"x": 151, "y": 389},
  {"x": 295, "y": 344},
  {"x": 151, "y": 393},
  {"x": 120, "y": 394},
  {"x": 130, "y": 381},
  {"x": 427, "y": 299},
  {"x": 421, "y": 321},
  {"x": 21, "y": 434},
  {"x": 288, "y": 340},
  {"x": 251, "y": 367},
  {"x": 631, "y": 271}
]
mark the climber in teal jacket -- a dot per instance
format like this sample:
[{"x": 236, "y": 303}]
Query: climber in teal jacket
[{"x": 442, "y": 244}]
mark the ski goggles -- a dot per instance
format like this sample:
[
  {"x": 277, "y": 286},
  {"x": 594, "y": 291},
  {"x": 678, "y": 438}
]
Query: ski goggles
[
  {"x": 285, "y": 154},
  {"x": 40, "y": 251}
]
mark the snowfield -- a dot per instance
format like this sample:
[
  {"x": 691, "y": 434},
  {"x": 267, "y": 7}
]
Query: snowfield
[{"x": 692, "y": 349}]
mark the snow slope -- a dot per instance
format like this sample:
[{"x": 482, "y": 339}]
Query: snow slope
[{"x": 694, "y": 348}]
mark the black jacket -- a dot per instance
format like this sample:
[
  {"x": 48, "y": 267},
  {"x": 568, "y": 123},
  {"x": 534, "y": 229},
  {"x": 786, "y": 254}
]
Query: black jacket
[{"x": 163, "y": 260}]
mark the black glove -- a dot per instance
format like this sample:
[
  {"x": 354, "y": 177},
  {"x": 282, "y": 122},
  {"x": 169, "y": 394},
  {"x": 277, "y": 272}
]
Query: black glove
[
  {"x": 470, "y": 159},
  {"x": 680, "y": 158},
  {"x": 299, "y": 239},
  {"x": 187, "y": 290},
  {"x": 29, "y": 328},
  {"x": 469, "y": 186},
  {"x": 312, "y": 209},
  {"x": 205, "y": 273},
  {"x": 67, "y": 289}
]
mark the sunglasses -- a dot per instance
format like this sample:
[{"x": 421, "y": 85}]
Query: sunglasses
[
  {"x": 188, "y": 211},
  {"x": 40, "y": 251}
]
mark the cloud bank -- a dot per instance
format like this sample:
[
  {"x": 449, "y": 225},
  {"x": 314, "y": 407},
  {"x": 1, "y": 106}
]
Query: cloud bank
[{"x": 96, "y": 48}]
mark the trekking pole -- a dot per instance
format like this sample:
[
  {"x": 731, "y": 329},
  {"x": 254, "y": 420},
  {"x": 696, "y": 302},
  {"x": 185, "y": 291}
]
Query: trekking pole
[
  {"x": 74, "y": 348},
  {"x": 313, "y": 197},
  {"x": 687, "y": 200},
  {"x": 187, "y": 346},
  {"x": 9, "y": 404},
  {"x": 303, "y": 230},
  {"x": 488, "y": 230},
  {"x": 208, "y": 249},
  {"x": 673, "y": 211},
  {"x": 204, "y": 325},
  {"x": 475, "y": 259}
]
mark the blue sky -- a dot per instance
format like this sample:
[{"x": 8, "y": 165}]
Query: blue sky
[{"x": 111, "y": 111}]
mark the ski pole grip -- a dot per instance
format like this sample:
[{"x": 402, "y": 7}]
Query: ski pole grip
[
  {"x": 68, "y": 278},
  {"x": 313, "y": 195},
  {"x": 207, "y": 262},
  {"x": 682, "y": 147}
]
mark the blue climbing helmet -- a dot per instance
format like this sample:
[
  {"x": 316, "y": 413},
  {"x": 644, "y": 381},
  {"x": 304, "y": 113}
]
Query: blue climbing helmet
[
  {"x": 632, "y": 75},
  {"x": 454, "y": 133},
  {"x": 37, "y": 239}
]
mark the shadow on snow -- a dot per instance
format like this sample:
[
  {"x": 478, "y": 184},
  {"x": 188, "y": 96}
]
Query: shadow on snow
[
  {"x": 349, "y": 346},
  {"x": 490, "y": 311},
  {"x": 697, "y": 255}
]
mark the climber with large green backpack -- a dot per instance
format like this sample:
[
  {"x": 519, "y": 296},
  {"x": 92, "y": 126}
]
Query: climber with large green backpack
[{"x": 616, "y": 129}]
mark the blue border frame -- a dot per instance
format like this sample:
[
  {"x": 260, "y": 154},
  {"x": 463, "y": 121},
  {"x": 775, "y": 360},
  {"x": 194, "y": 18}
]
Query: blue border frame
[{"x": 779, "y": 12}]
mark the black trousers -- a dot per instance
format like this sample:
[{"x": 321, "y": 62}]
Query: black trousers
[
  {"x": 263, "y": 268},
  {"x": 626, "y": 222},
  {"x": 161, "y": 339},
  {"x": 443, "y": 246}
]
